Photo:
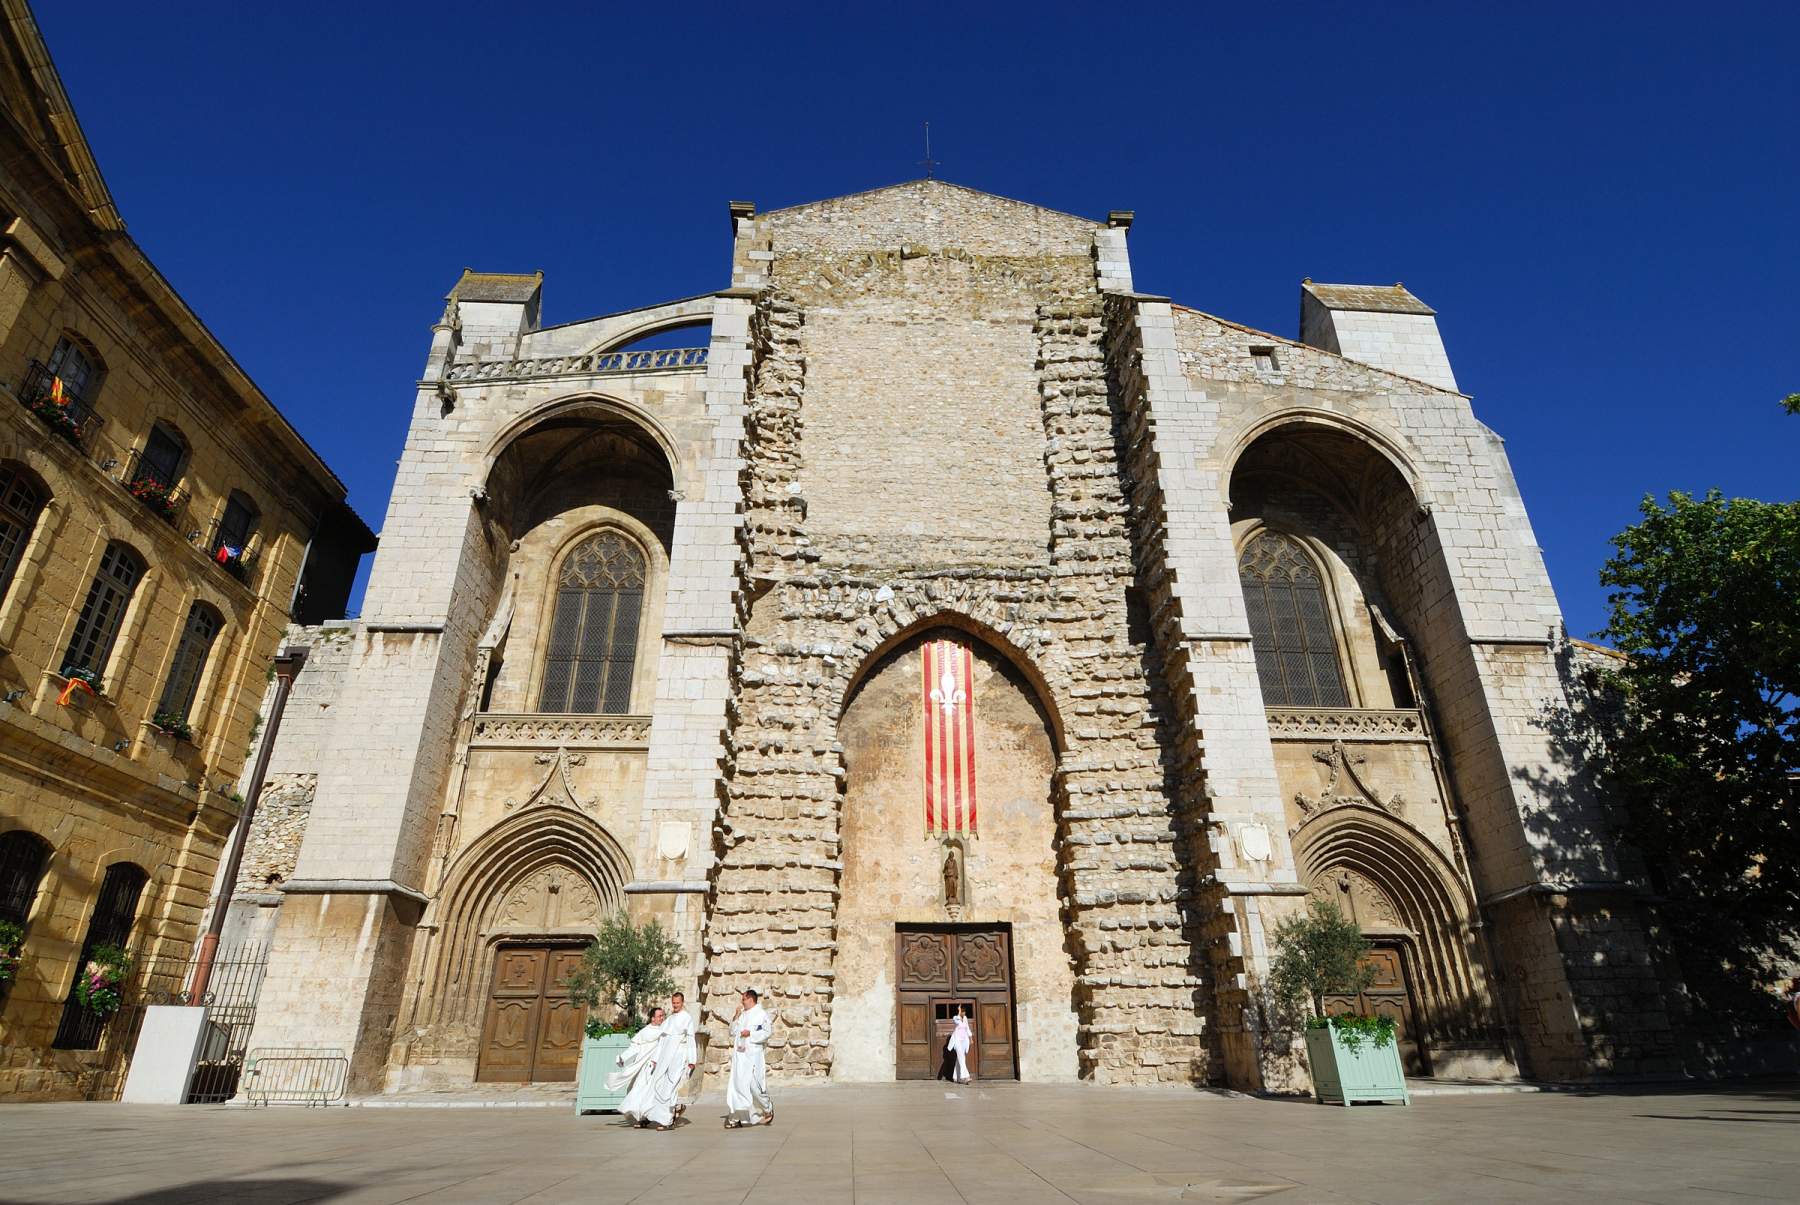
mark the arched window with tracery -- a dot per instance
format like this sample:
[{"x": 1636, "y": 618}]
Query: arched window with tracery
[
  {"x": 594, "y": 632},
  {"x": 1290, "y": 626}
]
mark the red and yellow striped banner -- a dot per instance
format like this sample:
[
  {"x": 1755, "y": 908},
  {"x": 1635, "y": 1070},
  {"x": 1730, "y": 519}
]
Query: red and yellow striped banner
[{"x": 948, "y": 698}]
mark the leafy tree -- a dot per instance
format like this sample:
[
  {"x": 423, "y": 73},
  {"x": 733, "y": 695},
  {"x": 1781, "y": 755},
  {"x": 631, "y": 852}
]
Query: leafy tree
[
  {"x": 1791, "y": 403},
  {"x": 1317, "y": 955},
  {"x": 625, "y": 968},
  {"x": 1704, "y": 753}
]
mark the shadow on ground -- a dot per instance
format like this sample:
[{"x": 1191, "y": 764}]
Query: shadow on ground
[{"x": 240, "y": 1192}]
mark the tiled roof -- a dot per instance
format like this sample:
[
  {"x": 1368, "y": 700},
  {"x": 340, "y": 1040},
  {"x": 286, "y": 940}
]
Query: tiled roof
[
  {"x": 1380, "y": 299},
  {"x": 496, "y": 286}
]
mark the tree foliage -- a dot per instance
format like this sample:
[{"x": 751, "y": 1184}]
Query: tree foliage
[
  {"x": 625, "y": 968},
  {"x": 1317, "y": 955},
  {"x": 1704, "y": 754}
]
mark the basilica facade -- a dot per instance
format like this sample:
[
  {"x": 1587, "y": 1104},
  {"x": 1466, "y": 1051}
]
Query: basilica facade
[{"x": 946, "y": 625}]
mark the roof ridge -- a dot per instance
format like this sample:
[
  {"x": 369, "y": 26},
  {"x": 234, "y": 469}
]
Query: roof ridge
[{"x": 980, "y": 192}]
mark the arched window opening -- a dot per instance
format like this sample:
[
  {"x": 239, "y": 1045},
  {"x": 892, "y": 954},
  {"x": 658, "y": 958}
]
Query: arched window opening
[
  {"x": 76, "y": 367},
  {"x": 21, "y": 501},
  {"x": 91, "y": 645},
  {"x": 152, "y": 471},
  {"x": 23, "y": 857},
  {"x": 230, "y": 542},
  {"x": 594, "y": 633},
  {"x": 1296, "y": 656},
  {"x": 197, "y": 636},
  {"x": 110, "y": 925}
]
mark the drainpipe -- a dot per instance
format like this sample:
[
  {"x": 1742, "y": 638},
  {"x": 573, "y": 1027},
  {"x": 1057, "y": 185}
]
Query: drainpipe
[{"x": 287, "y": 667}]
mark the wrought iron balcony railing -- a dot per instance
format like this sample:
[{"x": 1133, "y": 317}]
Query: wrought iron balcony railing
[
  {"x": 236, "y": 559},
  {"x": 63, "y": 410},
  {"x": 155, "y": 487}
]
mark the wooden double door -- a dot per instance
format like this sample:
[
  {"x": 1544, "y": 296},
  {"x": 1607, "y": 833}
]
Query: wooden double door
[
  {"x": 939, "y": 968},
  {"x": 532, "y": 1032},
  {"x": 1389, "y": 996}
]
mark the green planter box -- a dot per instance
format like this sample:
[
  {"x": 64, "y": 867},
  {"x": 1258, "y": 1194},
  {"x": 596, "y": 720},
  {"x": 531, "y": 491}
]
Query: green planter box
[
  {"x": 1344, "y": 1077},
  {"x": 599, "y": 1059}
]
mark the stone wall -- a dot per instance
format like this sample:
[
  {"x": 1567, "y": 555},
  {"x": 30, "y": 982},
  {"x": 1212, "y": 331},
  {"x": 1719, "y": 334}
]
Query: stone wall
[{"x": 919, "y": 254}]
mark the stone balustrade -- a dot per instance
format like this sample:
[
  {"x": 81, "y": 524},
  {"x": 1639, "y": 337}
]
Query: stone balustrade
[
  {"x": 1344, "y": 724},
  {"x": 604, "y": 363},
  {"x": 500, "y": 730}
]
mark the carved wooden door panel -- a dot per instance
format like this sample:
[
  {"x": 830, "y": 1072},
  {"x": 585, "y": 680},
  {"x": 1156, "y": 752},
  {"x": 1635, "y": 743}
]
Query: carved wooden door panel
[
  {"x": 1389, "y": 996},
  {"x": 559, "y": 1029},
  {"x": 938, "y": 969},
  {"x": 509, "y": 1038}
]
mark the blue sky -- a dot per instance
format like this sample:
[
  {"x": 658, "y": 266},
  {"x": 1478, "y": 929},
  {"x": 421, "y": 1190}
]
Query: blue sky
[{"x": 1599, "y": 200}]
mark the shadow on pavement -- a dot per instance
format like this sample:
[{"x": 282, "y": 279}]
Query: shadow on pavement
[{"x": 240, "y": 1192}]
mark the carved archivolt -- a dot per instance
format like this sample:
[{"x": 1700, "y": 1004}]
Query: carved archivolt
[
  {"x": 1393, "y": 881},
  {"x": 547, "y": 870}
]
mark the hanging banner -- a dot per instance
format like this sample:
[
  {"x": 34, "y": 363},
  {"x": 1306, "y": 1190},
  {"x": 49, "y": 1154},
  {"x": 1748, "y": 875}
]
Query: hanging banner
[{"x": 948, "y": 698}]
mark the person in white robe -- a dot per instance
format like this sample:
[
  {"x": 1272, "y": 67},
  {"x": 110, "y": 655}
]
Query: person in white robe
[
  {"x": 960, "y": 1038},
  {"x": 675, "y": 1061},
  {"x": 747, "y": 1091},
  {"x": 636, "y": 1076}
]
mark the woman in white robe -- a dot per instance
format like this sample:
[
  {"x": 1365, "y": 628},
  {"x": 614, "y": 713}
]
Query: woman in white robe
[
  {"x": 643, "y": 1104},
  {"x": 960, "y": 1038}
]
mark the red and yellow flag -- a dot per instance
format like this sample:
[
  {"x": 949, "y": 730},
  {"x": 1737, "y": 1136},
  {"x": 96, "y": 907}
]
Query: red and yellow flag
[{"x": 948, "y": 698}]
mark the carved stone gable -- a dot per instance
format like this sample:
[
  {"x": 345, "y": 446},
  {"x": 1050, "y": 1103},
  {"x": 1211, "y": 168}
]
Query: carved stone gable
[
  {"x": 556, "y": 786},
  {"x": 1344, "y": 771}
]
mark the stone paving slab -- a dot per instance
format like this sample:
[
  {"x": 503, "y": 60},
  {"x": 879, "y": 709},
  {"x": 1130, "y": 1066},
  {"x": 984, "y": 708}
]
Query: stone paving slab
[{"x": 918, "y": 1143}]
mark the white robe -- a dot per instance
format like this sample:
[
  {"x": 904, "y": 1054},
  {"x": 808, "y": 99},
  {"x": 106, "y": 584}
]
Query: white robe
[
  {"x": 677, "y": 1052},
  {"x": 747, "y": 1092},
  {"x": 637, "y": 1075},
  {"x": 959, "y": 1044}
]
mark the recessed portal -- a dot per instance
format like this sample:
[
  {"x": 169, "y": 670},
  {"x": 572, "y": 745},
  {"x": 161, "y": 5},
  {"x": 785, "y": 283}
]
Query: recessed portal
[{"x": 939, "y": 969}]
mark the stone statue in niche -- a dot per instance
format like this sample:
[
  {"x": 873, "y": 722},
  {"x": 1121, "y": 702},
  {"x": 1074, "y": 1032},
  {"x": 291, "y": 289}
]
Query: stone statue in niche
[{"x": 956, "y": 879}]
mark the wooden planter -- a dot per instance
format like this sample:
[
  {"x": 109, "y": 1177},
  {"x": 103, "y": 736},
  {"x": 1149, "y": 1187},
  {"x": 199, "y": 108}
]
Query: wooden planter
[
  {"x": 599, "y": 1059},
  {"x": 1342, "y": 1076}
]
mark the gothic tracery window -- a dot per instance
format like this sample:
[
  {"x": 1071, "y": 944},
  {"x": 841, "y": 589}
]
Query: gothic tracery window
[
  {"x": 594, "y": 630},
  {"x": 1296, "y": 656}
]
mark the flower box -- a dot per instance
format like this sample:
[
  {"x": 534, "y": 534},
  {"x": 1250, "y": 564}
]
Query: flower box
[
  {"x": 599, "y": 1059},
  {"x": 1345, "y": 1074}
]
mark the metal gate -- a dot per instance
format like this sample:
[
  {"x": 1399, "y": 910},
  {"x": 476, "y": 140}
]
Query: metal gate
[{"x": 237, "y": 977}]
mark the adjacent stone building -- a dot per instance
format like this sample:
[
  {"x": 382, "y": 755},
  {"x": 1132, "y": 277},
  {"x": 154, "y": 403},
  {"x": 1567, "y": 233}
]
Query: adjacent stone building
[
  {"x": 161, "y": 525},
  {"x": 949, "y": 626}
]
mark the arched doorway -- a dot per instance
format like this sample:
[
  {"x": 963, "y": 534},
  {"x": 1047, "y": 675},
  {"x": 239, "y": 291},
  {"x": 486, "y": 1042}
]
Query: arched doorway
[
  {"x": 1407, "y": 899},
  {"x": 517, "y": 909},
  {"x": 950, "y": 897}
]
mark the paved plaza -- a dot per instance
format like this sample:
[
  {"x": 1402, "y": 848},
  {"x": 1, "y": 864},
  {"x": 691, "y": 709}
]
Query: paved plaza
[{"x": 918, "y": 1143}]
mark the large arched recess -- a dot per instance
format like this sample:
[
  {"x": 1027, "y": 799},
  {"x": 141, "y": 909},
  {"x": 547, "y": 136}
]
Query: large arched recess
[{"x": 894, "y": 869}]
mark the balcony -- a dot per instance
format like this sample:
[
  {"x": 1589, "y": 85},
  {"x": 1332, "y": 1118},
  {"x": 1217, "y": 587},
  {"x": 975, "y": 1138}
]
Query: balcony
[
  {"x": 155, "y": 488},
  {"x": 62, "y": 410},
  {"x": 238, "y": 559}
]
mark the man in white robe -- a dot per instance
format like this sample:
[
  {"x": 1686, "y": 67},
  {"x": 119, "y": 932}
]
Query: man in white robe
[
  {"x": 675, "y": 1061},
  {"x": 747, "y": 1092},
  {"x": 637, "y": 1076}
]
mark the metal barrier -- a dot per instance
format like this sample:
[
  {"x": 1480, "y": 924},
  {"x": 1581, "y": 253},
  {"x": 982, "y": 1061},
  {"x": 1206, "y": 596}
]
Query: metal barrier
[{"x": 295, "y": 1075}]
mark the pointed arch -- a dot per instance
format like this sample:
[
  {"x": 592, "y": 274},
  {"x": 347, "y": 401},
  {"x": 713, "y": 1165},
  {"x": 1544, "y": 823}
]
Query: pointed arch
[
  {"x": 1431, "y": 909},
  {"x": 1015, "y": 656},
  {"x": 554, "y": 843}
]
